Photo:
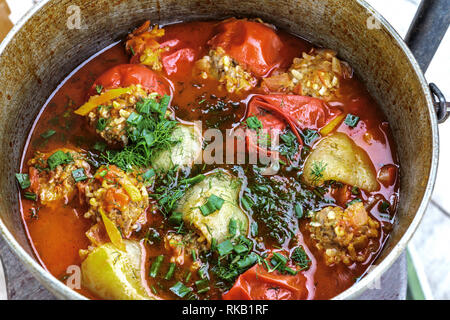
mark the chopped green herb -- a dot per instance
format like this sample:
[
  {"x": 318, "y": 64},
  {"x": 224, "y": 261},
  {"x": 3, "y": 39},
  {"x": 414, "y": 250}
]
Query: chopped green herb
[
  {"x": 254, "y": 229},
  {"x": 154, "y": 289},
  {"x": 79, "y": 175},
  {"x": 171, "y": 271},
  {"x": 103, "y": 173},
  {"x": 155, "y": 266},
  {"x": 148, "y": 174},
  {"x": 280, "y": 258},
  {"x": 232, "y": 227},
  {"x": 225, "y": 247},
  {"x": 290, "y": 271},
  {"x": 240, "y": 248},
  {"x": 206, "y": 289},
  {"x": 143, "y": 106},
  {"x": 289, "y": 148},
  {"x": 298, "y": 210},
  {"x": 47, "y": 134},
  {"x": 289, "y": 137},
  {"x": 202, "y": 284},
  {"x": 213, "y": 204},
  {"x": 351, "y": 120},
  {"x": 309, "y": 136},
  {"x": 180, "y": 289},
  {"x": 248, "y": 261},
  {"x": 213, "y": 244},
  {"x": 148, "y": 132},
  {"x": 384, "y": 206},
  {"x": 58, "y": 158},
  {"x": 355, "y": 191},
  {"x": 247, "y": 202},
  {"x": 300, "y": 258},
  {"x": 194, "y": 255},
  {"x": 176, "y": 218},
  {"x": 98, "y": 88},
  {"x": 102, "y": 123},
  {"x": 164, "y": 104},
  {"x": 194, "y": 180},
  {"x": 134, "y": 119},
  {"x": 254, "y": 123},
  {"x": 30, "y": 196},
  {"x": 318, "y": 167},
  {"x": 23, "y": 179}
]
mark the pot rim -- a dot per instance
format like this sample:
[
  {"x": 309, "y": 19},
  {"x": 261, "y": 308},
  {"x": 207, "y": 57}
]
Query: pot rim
[{"x": 60, "y": 290}]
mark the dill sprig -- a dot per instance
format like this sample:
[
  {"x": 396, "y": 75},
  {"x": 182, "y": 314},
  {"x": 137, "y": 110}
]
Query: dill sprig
[
  {"x": 300, "y": 258},
  {"x": 318, "y": 167}
]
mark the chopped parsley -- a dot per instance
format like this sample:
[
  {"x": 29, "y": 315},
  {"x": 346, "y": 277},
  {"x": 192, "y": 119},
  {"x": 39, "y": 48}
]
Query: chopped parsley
[{"x": 274, "y": 209}]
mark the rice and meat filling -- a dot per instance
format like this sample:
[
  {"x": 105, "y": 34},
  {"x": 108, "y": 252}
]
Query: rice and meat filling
[
  {"x": 119, "y": 196},
  {"x": 218, "y": 65},
  {"x": 345, "y": 235},
  {"x": 110, "y": 119},
  {"x": 317, "y": 74},
  {"x": 54, "y": 176}
]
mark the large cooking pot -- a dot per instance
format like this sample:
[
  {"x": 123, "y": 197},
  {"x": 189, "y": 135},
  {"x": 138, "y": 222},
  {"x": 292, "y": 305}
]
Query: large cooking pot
[{"x": 56, "y": 36}]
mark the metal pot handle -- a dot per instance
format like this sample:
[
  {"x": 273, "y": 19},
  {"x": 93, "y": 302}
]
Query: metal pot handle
[
  {"x": 441, "y": 106},
  {"x": 423, "y": 38}
]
